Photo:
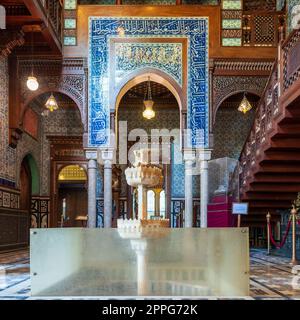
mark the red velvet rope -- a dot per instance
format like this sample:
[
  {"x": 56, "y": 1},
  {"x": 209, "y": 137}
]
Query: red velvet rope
[{"x": 284, "y": 238}]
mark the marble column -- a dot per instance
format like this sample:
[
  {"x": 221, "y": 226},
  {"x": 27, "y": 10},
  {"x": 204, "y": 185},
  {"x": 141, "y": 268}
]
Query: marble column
[
  {"x": 188, "y": 188},
  {"x": 92, "y": 181},
  {"x": 157, "y": 192},
  {"x": 142, "y": 202},
  {"x": 107, "y": 157},
  {"x": 204, "y": 157},
  {"x": 140, "y": 248}
]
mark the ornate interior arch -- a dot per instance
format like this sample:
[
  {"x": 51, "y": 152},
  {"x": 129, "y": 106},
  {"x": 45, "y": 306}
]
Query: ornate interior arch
[
  {"x": 225, "y": 86},
  {"x": 44, "y": 90},
  {"x": 254, "y": 92},
  {"x": 143, "y": 75}
]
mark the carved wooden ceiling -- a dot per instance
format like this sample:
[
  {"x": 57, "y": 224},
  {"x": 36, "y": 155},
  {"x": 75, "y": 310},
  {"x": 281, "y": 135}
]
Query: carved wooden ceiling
[
  {"x": 160, "y": 94},
  {"x": 32, "y": 27},
  {"x": 157, "y": 91}
]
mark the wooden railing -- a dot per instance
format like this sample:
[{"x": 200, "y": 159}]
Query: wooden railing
[
  {"x": 285, "y": 72},
  {"x": 53, "y": 10},
  {"x": 291, "y": 60},
  {"x": 267, "y": 110}
]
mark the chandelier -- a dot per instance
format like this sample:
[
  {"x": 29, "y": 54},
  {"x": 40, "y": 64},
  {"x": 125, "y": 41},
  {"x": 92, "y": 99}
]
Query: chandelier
[
  {"x": 51, "y": 103},
  {"x": 148, "y": 103},
  {"x": 245, "y": 105}
]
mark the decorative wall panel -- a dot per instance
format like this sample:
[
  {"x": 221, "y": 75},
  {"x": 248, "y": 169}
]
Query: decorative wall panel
[
  {"x": 259, "y": 5},
  {"x": 40, "y": 210},
  {"x": 164, "y": 56},
  {"x": 70, "y": 23},
  {"x": 232, "y": 23},
  {"x": 100, "y": 212},
  {"x": 195, "y": 30},
  {"x": 14, "y": 229},
  {"x": 7, "y": 154},
  {"x": 9, "y": 199}
]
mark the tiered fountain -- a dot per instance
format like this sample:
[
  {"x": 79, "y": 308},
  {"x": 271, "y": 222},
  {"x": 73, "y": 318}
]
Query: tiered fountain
[{"x": 142, "y": 175}]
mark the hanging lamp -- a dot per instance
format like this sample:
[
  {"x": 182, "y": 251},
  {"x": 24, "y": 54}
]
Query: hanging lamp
[
  {"x": 32, "y": 82},
  {"x": 51, "y": 103},
  {"x": 148, "y": 113},
  {"x": 245, "y": 105}
]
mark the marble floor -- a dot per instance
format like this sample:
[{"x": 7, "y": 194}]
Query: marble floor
[{"x": 271, "y": 277}]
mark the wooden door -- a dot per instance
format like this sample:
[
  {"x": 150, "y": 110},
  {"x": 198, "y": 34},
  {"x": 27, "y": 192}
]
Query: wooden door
[{"x": 76, "y": 204}]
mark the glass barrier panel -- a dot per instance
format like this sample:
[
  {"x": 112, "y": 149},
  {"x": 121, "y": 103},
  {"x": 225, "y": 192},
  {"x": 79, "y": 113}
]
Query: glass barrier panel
[{"x": 163, "y": 262}]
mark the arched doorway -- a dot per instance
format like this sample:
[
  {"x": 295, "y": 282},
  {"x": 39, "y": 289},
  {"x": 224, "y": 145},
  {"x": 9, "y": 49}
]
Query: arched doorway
[
  {"x": 72, "y": 196},
  {"x": 60, "y": 135},
  {"x": 25, "y": 185},
  {"x": 29, "y": 186},
  {"x": 147, "y": 133},
  {"x": 139, "y": 79}
]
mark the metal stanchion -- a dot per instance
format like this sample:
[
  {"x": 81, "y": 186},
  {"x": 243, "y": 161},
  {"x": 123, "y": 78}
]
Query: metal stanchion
[
  {"x": 268, "y": 231},
  {"x": 294, "y": 260}
]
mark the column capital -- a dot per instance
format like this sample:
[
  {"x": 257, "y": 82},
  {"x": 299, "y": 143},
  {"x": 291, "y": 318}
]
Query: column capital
[
  {"x": 91, "y": 154},
  {"x": 204, "y": 154},
  {"x": 107, "y": 154},
  {"x": 189, "y": 155}
]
